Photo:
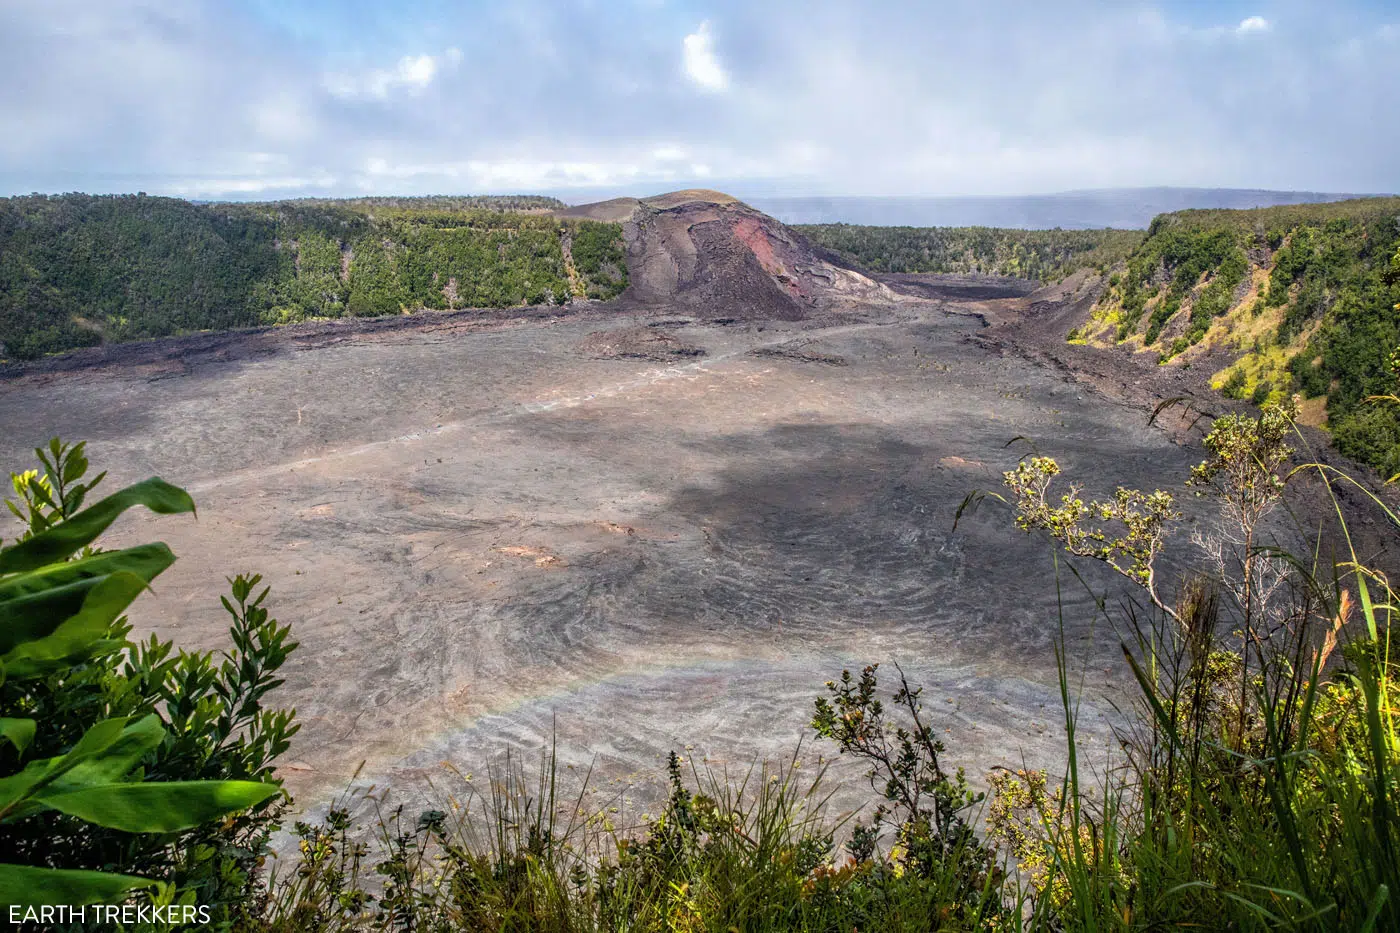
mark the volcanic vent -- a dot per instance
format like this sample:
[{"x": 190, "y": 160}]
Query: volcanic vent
[{"x": 713, "y": 256}]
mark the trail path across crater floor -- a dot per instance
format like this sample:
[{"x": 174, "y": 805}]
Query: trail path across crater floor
[{"x": 489, "y": 540}]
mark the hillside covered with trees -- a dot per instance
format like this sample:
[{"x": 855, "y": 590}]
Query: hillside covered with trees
[
  {"x": 1047, "y": 255},
  {"x": 1305, "y": 297},
  {"x": 78, "y": 270}
]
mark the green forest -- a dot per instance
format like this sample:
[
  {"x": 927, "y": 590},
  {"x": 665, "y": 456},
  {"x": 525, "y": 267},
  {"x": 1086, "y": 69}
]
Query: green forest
[
  {"x": 1307, "y": 293},
  {"x": 78, "y": 270},
  {"x": 1044, "y": 255}
]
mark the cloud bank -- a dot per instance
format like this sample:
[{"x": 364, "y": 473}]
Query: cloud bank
[{"x": 209, "y": 99}]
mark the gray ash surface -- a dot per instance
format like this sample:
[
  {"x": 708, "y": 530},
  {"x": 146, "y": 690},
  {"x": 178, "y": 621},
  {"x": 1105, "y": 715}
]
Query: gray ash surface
[{"x": 485, "y": 540}]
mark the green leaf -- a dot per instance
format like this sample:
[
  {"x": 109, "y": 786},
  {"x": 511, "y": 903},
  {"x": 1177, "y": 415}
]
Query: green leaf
[
  {"x": 98, "y": 737},
  {"x": 105, "y": 753},
  {"x": 27, "y": 886},
  {"x": 146, "y": 561},
  {"x": 159, "y": 807},
  {"x": 40, "y": 492},
  {"x": 117, "y": 759},
  {"x": 1164, "y": 719},
  {"x": 74, "y": 636},
  {"x": 19, "y": 732},
  {"x": 76, "y": 464},
  {"x": 69, "y": 537},
  {"x": 37, "y": 615},
  {"x": 1377, "y": 902}
]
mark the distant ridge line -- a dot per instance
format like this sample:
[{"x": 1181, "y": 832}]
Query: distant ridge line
[{"x": 1088, "y": 209}]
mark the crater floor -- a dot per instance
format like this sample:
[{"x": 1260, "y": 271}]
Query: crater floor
[{"x": 486, "y": 539}]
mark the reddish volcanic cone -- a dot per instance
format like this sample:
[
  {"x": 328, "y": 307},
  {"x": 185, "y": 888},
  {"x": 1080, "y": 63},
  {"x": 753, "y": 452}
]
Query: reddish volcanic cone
[{"x": 711, "y": 255}]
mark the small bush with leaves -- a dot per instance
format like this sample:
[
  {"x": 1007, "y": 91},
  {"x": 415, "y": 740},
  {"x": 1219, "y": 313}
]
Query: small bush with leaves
[
  {"x": 1133, "y": 552},
  {"x": 121, "y": 756},
  {"x": 924, "y": 800},
  {"x": 1256, "y": 785}
]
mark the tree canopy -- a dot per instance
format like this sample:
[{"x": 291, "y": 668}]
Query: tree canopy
[{"x": 77, "y": 270}]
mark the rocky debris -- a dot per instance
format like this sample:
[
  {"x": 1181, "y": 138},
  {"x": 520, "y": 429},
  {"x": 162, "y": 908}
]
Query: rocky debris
[
  {"x": 542, "y": 556},
  {"x": 617, "y": 529},
  {"x": 638, "y": 343},
  {"x": 800, "y": 352}
]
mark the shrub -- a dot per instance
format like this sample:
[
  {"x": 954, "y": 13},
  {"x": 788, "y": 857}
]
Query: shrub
[
  {"x": 122, "y": 754},
  {"x": 1234, "y": 384},
  {"x": 1255, "y": 792},
  {"x": 1370, "y": 435},
  {"x": 923, "y": 800}
]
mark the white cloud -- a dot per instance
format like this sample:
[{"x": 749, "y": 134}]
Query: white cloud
[
  {"x": 217, "y": 186},
  {"x": 1253, "y": 24},
  {"x": 588, "y": 168},
  {"x": 413, "y": 73},
  {"x": 701, "y": 64},
  {"x": 513, "y": 174}
]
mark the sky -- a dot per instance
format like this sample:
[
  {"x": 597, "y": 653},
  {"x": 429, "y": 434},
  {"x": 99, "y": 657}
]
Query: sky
[{"x": 274, "y": 98}]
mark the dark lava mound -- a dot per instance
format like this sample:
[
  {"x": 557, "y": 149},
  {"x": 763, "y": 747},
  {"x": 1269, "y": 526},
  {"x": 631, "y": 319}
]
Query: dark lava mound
[
  {"x": 713, "y": 256},
  {"x": 638, "y": 343},
  {"x": 799, "y": 352}
]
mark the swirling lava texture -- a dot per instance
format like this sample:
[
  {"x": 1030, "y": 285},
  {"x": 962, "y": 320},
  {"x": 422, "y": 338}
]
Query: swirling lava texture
[{"x": 488, "y": 540}]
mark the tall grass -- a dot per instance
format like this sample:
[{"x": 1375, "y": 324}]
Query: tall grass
[
  {"x": 1267, "y": 807},
  {"x": 752, "y": 852}
]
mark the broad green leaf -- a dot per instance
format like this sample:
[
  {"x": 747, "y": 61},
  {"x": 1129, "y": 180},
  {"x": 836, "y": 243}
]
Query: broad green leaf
[
  {"x": 37, "y": 615},
  {"x": 18, "y": 732},
  {"x": 16, "y": 787},
  {"x": 117, "y": 759},
  {"x": 76, "y": 635},
  {"x": 27, "y": 886},
  {"x": 69, "y": 537},
  {"x": 159, "y": 807},
  {"x": 123, "y": 738},
  {"x": 76, "y": 464},
  {"x": 146, "y": 561}
]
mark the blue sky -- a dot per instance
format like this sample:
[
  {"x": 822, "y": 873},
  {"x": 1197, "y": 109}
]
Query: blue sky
[{"x": 264, "y": 98}]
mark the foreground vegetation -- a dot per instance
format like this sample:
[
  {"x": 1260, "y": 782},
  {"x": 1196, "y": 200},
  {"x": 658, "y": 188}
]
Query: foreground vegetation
[
  {"x": 1044, "y": 255},
  {"x": 1306, "y": 296},
  {"x": 1256, "y": 788},
  {"x": 126, "y": 765},
  {"x": 78, "y": 270}
]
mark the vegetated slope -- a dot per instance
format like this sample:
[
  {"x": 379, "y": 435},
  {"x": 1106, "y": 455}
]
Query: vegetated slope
[
  {"x": 1297, "y": 299},
  {"x": 713, "y": 256},
  {"x": 77, "y": 270},
  {"x": 1046, "y": 255}
]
